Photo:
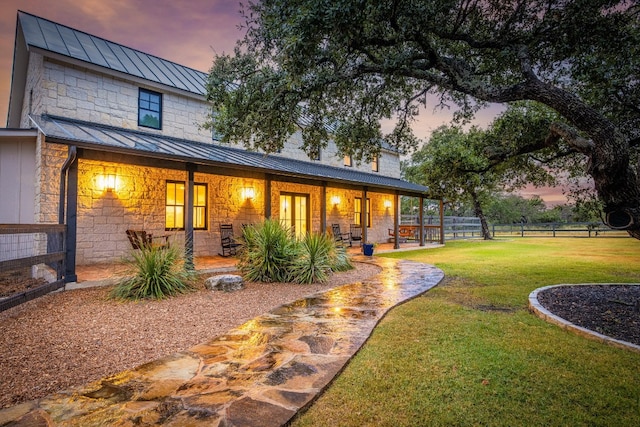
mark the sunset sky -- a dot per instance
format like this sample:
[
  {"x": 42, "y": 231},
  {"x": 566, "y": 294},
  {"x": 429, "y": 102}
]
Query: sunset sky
[{"x": 187, "y": 32}]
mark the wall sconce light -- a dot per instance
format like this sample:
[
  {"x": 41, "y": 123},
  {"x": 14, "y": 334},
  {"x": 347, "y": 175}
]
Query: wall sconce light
[
  {"x": 248, "y": 193},
  {"x": 335, "y": 200},
  {"x": 387, "y": 204},
  {"x": 107, "y": 182},
  {"x": 110, "y": 182}
]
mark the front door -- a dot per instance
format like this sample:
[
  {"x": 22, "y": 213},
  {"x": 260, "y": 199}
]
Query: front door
[{"x": 294, "y": 212}]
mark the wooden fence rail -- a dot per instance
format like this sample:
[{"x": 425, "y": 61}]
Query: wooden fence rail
[
  {"x": 556, "y": 229},
  {"x": 23, "y": 246}
]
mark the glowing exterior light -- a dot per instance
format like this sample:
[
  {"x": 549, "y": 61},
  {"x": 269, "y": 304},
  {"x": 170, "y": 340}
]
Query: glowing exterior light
[
  {"x": 110, "y": 182},
  {"x": 387, "y": 204},
  {"x": 248, "y": 193},
  {"x": 106, "y": 182},
  {"x": 335, "y": 200}
]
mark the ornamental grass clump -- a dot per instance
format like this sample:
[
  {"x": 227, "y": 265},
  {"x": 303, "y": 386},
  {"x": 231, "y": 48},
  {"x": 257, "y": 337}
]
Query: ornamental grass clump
[
  {"x": 155, "y": 273},
  {"x": 272, "y": 253},
  {"x": 269, "y": 249},
  {"x": 313, "y": 263}
]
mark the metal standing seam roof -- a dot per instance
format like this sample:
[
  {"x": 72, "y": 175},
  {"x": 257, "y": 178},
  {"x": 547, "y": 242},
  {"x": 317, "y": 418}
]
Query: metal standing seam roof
[
  {"x": 63, "y": 40},
  {"x": 109, "y": 138}
]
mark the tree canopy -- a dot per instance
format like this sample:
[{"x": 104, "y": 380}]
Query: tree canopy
[{"x": 335, "y": 68}]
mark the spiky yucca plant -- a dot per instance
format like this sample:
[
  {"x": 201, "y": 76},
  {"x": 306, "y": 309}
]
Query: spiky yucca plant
[
  {"x": 268, "y": 250},
  {"x": 155, "y": 273},
  {"x": 340, "y": 259},
  {"x": 314, "y": 260}
]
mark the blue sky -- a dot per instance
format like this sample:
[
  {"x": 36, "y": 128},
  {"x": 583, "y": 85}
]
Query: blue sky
[{"x": 187, "y": 32}]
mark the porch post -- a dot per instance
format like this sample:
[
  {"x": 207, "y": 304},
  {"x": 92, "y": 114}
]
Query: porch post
[
  {"x": 421, "y": 220},
  {"x": 323, "y": 207},
  {"x": 267, "y": 196},
  {"x": 72, "y": 222},
  {"x": 363, "y": 222},
  {"x": 396, "y": 221},
  {"x": 441, "y": 223},
  {"x": 188, "y": 220}
]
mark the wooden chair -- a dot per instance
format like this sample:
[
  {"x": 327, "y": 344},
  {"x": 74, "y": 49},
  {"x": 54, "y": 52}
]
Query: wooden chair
[
  {"x": 140, "y": 239},
  {"x": 355, "y": 233},
  {"x": 227, "y": 241},
  {"x": 341, "y": 238}
]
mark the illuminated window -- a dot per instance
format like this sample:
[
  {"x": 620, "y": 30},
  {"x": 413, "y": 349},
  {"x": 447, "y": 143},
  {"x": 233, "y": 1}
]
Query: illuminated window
[
  {"x": 348, "y": 161},
  {"x": 374, "y": 164},
  {"x": 357, "y": 211},
  {"x": 200, "y": 206},
  {"x": 294, "y": 213},
  {"x": 175, "y": 206},
  {"x": 149, "y": 109}
]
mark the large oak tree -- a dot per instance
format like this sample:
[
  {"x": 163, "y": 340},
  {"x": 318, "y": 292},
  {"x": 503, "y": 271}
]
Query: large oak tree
[{"x": 335, "y": 68}]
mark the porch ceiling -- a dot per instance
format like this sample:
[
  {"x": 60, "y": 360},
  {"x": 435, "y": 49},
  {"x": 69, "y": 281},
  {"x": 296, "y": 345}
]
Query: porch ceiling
[{"x": 118, "y": 140}]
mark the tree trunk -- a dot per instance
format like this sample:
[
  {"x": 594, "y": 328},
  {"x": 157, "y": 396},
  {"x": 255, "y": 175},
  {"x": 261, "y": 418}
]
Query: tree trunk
[
  {"x": 477, "y": 208},
  {"x": 616, "y": 181}
]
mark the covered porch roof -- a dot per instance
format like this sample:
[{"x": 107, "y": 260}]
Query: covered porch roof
[{"x": 226, "y": 160}]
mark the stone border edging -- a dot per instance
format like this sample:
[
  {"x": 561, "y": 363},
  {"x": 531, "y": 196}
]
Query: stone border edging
[{"x": 539, "y": 310}]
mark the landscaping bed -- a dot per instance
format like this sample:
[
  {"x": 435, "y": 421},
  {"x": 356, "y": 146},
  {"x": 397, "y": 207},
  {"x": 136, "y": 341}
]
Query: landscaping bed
[
  {"x": 70, "y": 338},
  {"x": 606, "y": 309}
]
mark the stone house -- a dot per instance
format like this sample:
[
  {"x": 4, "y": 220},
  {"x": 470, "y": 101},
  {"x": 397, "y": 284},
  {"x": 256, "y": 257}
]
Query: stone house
[{"x": 104, "y": 138}]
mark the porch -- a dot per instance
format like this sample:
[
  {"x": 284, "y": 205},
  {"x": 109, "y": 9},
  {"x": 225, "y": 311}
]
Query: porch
[{"x": 107, "y": 274}]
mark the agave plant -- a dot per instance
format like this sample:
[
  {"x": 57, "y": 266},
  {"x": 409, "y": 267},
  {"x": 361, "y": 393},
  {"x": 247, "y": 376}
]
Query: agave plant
[{"x": 155, "y": 273}]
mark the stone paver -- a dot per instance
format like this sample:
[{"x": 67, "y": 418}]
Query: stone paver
[{"x": 259, "y": 374}]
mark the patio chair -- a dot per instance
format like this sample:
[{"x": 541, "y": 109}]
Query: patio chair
[
  {"x": 227, "y": 241},
  {"x": 341, "y": 238},
  {"x": 140, "y": 239},
  {"x": 355, "y": 233}
]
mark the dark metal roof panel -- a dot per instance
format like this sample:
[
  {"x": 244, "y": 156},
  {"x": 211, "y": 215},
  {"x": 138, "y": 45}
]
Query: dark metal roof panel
[
  {"x": 110, "y": 138},
  {"x": 92, "y": 51},
  {"x": 76, "y": 44}
]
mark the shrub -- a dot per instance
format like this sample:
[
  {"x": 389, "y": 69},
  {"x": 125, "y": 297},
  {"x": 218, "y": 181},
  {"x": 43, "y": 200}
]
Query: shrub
[
  {"x": 340, "y": 259},
  {"x": 156, "y": 273},
  {"x": 269, "y": 249},
  {"x": 272, "y": 254},
  {"x": 313, "y": 263}
]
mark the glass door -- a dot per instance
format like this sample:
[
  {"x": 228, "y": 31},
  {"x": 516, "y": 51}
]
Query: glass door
[{"x": 294, "y": 213}]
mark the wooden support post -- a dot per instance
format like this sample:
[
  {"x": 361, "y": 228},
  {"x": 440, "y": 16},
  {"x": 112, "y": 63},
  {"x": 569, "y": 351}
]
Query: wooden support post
[
  {"x": 421, "y": 222},
  {"x": 396, "y": 221},
  {"x": 188, "y": 219}
]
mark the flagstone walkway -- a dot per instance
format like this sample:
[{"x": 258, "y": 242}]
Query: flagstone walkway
[{"x": 260, "y": 374}]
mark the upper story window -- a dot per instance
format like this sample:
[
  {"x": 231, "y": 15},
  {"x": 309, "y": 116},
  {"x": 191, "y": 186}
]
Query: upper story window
[
  {"x": 348, "y": 161},
  {"x": 149, "y": 109},
  {"x": 315, "y": 156},
  {"x": 375, "y": 166}
]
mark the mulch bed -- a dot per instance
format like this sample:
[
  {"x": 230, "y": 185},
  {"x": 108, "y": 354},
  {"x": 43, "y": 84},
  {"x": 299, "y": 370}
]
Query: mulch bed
[
  {"x": 611, "y": 310},
  {"x": 13, "y": 282}
]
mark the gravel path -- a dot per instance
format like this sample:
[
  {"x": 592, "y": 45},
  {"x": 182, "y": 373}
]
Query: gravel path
[{"x": 74, "y": 337}]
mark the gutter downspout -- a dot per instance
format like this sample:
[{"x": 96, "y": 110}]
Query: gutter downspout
[{"x": 73, "y": 155}]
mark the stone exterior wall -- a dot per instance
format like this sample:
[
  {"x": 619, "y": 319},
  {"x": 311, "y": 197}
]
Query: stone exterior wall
[
  {"x": 75, "y": 92},
  {"x": 138, "y": 202},
  {"x": 344, "y": 213}
]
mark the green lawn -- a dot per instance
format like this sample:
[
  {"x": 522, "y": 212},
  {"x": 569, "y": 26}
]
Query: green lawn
[{"x": 469, "y": 353}]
